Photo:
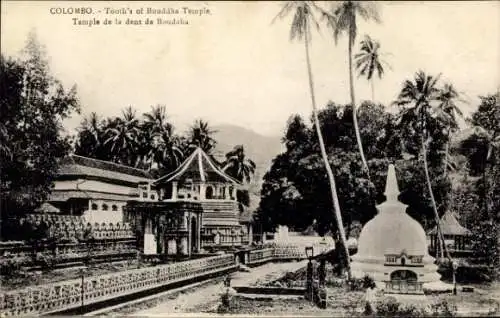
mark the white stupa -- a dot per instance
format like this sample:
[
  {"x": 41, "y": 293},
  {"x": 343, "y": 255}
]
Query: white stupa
[{"x": 392, "y": 247}]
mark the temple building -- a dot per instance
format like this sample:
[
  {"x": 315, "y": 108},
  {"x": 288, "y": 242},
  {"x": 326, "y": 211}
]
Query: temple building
[
  {"x": 191, "y": 208},
  {"x": 392, "y": 247},
  {"x": 95, "y": 189}
]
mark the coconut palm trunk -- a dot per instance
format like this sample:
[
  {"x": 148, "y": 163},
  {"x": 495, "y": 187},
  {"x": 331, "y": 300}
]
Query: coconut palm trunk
[
  {"x": 353, "y": 101},
  {"x": 433, "y": 201},
  {"x": 329, "y": 172},
  {"x": 446, "y": 150}
]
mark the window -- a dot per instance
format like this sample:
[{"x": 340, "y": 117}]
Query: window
[
  {"x": 94, "y": 206},
  {"x": 114, "y": 207},
  {"x": 152, "y": 197},
  {"x": 145, "y": 195},
  {"x": 416, "y": 259},
  {"x": 104, "y": 207}
]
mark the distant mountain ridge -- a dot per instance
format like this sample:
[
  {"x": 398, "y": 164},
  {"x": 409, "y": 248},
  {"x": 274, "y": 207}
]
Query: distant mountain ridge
[{"x": 259, "y": 148}]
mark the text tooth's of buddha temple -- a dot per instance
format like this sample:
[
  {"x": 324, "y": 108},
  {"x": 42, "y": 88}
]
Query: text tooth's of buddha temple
[{"x": 392, "y": 247}]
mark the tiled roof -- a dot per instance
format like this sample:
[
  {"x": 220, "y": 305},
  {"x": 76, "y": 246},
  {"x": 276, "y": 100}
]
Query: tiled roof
[
  {"x": 199, "y": 167},
  {"x": 449, "y": 226},
  {"x": 74, "y": 165}
]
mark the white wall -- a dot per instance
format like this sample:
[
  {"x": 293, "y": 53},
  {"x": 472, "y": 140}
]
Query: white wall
[{"x": 92, "y": 185}]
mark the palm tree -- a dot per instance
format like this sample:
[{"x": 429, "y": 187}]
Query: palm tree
[
  {"x": 200, "y": 135},
  {"x": 448, "y": 111},
  {"x": 90, "y": 141},
  {"x": 238, "y": 166},
  {"x": 158, "y": 141},
  {"x": 303, "y": 17},
  {"x": 156, "y": 120},
  {"x": 168, "y": 152},
  {"x": 369, "y": 61},
  {"x": 344, "y": 20},
  {"x": 415, "y": 100},
  {"x": 122, "y": 138}
]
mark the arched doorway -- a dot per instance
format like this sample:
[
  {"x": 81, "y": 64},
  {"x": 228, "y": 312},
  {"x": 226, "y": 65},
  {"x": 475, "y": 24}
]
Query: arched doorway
[
  {"x": 404, "y": 281},
  {"x": 194, "y": 235}
]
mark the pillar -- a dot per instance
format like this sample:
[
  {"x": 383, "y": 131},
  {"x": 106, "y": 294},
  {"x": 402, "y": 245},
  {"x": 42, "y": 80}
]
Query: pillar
[
  {"x": 250, "y": 234},
  {"x": 198, "y": 232},
  {"x": 174, "y": 190},
  {"x": 203, "y": 191},
  {"x": 234, "y": 194},
  {"x": 150, "y": 246},
  {"x": 184, "y": 246},
  {"x": 309, "y": 281},
  {"x": 172, "y": 246}
]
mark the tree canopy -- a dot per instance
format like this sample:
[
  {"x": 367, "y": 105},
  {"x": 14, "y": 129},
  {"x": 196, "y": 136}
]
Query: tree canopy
[{"x": 33, "y": 105}]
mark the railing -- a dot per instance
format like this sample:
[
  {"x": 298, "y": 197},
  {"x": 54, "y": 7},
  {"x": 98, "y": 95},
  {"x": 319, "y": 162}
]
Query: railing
[
  {"x": 275, "y": 253},
  {"x": 66, "y": 295}
]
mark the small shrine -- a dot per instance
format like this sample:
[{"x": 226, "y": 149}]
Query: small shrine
[
  {"x": 456, "y": 237},
  {"x": 392, "y": 247}
]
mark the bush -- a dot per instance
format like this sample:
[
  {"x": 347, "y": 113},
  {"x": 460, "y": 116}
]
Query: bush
[
  {"x": 443, "y": 309},
  {"x": 12, "y": 265},
  {"x": 392, "y": 308},
  {"x": 360, "y": 284}
]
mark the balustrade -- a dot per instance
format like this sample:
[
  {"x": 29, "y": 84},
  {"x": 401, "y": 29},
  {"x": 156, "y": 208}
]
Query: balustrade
[{"x": 67, "y": 294}]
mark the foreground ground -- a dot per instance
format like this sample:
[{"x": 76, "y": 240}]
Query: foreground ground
[
  {"x": 348, "y": 304},
  {"x": 205, "y": 299}
]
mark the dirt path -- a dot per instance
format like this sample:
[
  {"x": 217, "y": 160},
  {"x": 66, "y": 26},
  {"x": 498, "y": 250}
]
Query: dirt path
[{"x": 206, "y": 296}]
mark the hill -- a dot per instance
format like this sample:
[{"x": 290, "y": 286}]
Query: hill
[{"x": 261, "y": 149}]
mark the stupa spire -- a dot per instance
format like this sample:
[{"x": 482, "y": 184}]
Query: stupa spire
[{"x": 391, "y": 187}]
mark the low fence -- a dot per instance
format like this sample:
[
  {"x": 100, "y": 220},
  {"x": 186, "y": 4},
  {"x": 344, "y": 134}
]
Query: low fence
[
  {"x": 67, "y": 295},
  {"x": 19, "y": 254}
]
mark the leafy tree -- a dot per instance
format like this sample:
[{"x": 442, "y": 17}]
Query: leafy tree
[
  {"x": 482, "y": 149},
  {"x": 295, "y": 188},
  {"x": 369, "y": 61},
  {"x": 33, "y": 105},
  {"x": 343, "y": 20},
  {"x": 303, "y": 17}
]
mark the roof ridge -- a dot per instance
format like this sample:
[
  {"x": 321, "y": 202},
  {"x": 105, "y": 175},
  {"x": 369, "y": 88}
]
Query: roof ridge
[
  {"x": 217, "y": 169},
  {"x": 110, "y": 163},
  {"x": 179, "y": 169}
]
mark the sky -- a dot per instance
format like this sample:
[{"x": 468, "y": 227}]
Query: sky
[{"x": 234, "y": 66}]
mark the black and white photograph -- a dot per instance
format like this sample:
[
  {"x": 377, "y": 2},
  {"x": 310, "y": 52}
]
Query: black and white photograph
[{"x": 250, "y": 158}]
